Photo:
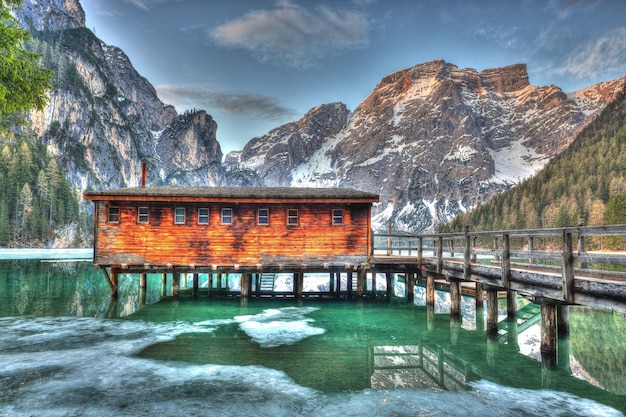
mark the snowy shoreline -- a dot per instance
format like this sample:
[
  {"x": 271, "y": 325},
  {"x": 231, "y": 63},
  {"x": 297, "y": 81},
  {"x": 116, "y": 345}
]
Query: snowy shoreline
[{"x": 38, "y": 253}]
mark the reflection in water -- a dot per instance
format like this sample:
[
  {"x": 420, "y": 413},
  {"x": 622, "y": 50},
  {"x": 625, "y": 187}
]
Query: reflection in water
[{"x": 67, "y": 349}]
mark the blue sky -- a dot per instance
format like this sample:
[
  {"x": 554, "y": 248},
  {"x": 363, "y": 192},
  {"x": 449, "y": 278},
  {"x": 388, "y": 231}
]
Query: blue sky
[{"x": 255, "y": 64}]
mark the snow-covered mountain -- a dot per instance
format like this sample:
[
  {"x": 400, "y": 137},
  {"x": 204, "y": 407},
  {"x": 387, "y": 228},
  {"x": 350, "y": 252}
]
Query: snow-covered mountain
[{"x": 433, "y": 140}]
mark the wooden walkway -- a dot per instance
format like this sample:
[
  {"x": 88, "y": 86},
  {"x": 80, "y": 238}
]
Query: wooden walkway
[{"x": 543, "y": 265}]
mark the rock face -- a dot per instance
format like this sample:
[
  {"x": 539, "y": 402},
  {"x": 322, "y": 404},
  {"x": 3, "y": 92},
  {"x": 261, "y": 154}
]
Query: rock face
[
  {"x": 432, "y": 140},
  {"x": 104, "y": 119}
]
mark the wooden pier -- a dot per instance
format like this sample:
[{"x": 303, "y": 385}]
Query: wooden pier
[
  {"x": 259, "y": 232},
  {"x": 549, "y": 267}
]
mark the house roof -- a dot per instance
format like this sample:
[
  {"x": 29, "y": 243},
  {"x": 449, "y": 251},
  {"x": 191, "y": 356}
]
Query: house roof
[{"x": 232, "y": 194}]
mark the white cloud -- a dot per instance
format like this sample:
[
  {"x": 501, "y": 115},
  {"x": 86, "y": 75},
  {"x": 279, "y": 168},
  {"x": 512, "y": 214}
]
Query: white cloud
[
  {"x": 605, "y": 54},
  {"x": 235, "y": 103},
  {"x": 146, "y": 5},
  {"x": 294, "y": 35}
]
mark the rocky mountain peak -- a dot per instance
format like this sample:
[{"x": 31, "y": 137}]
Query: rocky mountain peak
[
  {"x": 432, "y": 140},
  {"x": 51, "y": 15},
  {"x": 187, "y": 151},
  {"x": 506, "y": 79}
]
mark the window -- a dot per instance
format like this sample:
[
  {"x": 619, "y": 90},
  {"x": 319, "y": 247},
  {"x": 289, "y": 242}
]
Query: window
[
  {"x": 292, "y": 217},
  {"x": 114, "y": 214},
  {"x": 337, "y": 216},
  {"x": 179, "y": 215},
  {"x": 203, "y": 215},
  {"x": 263, "y": 216},
  {"x": 142, "y": 215},
  {"x": 227, "y": 216}
]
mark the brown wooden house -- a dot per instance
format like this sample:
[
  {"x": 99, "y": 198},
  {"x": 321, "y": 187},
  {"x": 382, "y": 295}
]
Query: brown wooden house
[{"x": 234, "y": 228}]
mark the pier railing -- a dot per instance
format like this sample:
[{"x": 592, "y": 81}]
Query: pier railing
[
  {"x": 585, "y": 265},
  {"x": 586, "y": 246}
]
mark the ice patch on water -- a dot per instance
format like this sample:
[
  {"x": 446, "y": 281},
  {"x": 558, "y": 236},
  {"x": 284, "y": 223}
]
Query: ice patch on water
[
  {"x": 275, "y": 327},
  {"x": 88, "y": 367}
]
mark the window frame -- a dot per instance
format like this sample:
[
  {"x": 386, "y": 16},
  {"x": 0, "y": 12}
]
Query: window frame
[
  {"x": 203, "y": 216},
  {"x": 265, "y": 217},
  {"x": 140, "y": 215},
  {"x": 176, "y": 215},
  {"x": 338, "y": 214},
  {"x": 223, "y": 215},
  {"x": 291, "y": 216},
  {"x": 110, "y": 209}
]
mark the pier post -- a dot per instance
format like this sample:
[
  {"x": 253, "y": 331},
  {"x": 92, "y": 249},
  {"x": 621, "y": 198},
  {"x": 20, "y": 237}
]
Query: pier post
[
  {"x": 455, "y": 299},
  {"x": 298, "y": 284},
  {"x": 114, "y": 283},
  {"x": 492, "y": 311},
  {"x": 349, "y": 282},
  {"x": 245, "y": 286},
  {"x": 209, "y": 285},
  {"x": 175, "y": 285},
  {"x": 374, "y": 284},
  {"x": 195, "y": 286},
  {"x": 548, "y": 336},
  {"x": 410, "y": 285},
  {"x": 562, "y": 317},
  {"x": 360, "y": 283},
  {"x": 511, "y": 305},
  {"x": 479, "y": 295},
  {"x": 430, "y": 290},
  {"x": 142, "y": 289},
  {"x": 163, "y": 284},
  {"x": 389, "y": 278}
]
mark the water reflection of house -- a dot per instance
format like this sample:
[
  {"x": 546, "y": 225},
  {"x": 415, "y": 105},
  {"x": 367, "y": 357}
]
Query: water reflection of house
[
  {"x": 418, "y": 366},
  {"x": 148, "y": 228}
]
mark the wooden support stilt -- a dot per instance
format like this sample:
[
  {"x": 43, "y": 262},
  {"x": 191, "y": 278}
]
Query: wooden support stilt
[
  {"x": 374, "y": 284},
  {"x": 209, "y": 285},
  {"x": 492, "y": 312},
  {"x": 389, "y": 278},
  {"x": 360, "y": 283},
  {"x": 511, "y": 305},
  {"x": 567, "y": 267},
  {"x": 480, "y": 319},
  {"x": 175, "y": 285},
  {"x": 114, "y": 279},
  {"x": 142, "y": 288},
  {"x": 562, "y": 316},
  {"x": 196, "y": 285},
  {"x": 430, "y": 318},
  {"x": 548, "y": 336},
  {"x": 350, "y": 284},
  {"x": 245, "y": 286},
  {"x": 563, "y": 354},
  {"x": 163, "y": 284},
  {"x": 479, "y": 295},
  {"x": 455, "y": 299},
  {"x": 331, "y": 280},
  {"x": 337, "y": 284},
  {"x": 430, "y": 290},
  {"x": 410, "y": 285},
  {"x": 298, "y": 284}
]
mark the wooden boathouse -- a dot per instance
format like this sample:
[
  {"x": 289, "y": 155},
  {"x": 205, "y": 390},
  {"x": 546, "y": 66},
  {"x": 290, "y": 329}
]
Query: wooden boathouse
[{"x": 247, "y": 230}]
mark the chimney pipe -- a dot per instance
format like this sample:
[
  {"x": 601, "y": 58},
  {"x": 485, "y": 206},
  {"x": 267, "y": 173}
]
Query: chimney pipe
[{"x": 144, "y": 168}]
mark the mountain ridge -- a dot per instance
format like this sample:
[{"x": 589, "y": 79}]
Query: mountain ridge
[{"x": 433, "y": 139}]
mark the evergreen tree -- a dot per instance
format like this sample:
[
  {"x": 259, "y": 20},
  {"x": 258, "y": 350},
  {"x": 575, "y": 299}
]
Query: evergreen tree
[{"x": 23, "y": 81}]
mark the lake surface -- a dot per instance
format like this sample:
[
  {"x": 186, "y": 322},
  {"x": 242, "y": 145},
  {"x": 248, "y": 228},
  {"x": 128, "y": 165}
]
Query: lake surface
[{"x": 67, "y": 350}]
